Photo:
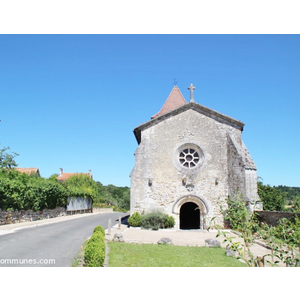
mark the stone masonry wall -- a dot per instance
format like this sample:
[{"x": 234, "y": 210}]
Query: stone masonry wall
[
  {"x": 15, "y": 216},
  {"x": 235, "y": 167},
  {"x": 158, "y": 181},
  {"x": 273, "y": 217}
]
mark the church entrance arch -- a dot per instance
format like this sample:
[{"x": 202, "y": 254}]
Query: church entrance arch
[
  {"x": 191, "y": 211},
  {"x": 189, "y": 216}
]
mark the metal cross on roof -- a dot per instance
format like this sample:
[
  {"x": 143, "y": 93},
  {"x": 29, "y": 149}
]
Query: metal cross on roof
[{"x": 191, "y": 88}]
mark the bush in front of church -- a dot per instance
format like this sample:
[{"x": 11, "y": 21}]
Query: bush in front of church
[
  {"x": 153, "y": 220},
  {"x": 156, "y": 220},
  {"x": 170, "y": 222},
  {"x": 135, "y": 219}
]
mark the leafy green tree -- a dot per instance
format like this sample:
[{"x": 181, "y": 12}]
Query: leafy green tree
[
  {"x": 53, "y": 177},
  {"x": 114, "y": 196},
  {"x": 272, "y": 198},
  {"x": 7, "y": 159},
  {"x": 82, "y": 186},
  {"x": 22, "y": 191},
  {"x": 289, "y": 191}
]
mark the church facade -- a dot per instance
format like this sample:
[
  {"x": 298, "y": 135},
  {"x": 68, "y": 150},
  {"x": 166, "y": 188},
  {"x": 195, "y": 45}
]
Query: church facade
[{"x": 189, "y": 160}]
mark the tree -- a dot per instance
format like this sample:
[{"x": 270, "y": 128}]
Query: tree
[
  {"x": 22, "y": 191},
  {"x": 272, "y": 198},
  {"x": 82, "y": 186},
  {"x": 7, "y": 160},
  {"x": 113, "y": 195}
]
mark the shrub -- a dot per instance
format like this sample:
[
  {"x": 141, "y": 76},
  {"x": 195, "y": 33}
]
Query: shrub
[
  {"x": 288, "y": 231},
  {"x": 237, "y": 213},
  {"x": 94, "y": 253},
  {"x": 156, "y": 220},
  {"x": 170, "y": 222},
  {"x": 135, "y": 219},
  {"x": 99, "y": 229}
]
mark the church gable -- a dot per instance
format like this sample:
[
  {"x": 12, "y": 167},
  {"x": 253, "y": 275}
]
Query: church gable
[{"x": 172, "y": 108}]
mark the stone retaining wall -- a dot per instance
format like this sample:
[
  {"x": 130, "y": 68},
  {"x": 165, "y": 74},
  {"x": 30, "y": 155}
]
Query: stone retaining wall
[
  {"x": 273, "y": 217},
  {"x": 15, "y": 216}
]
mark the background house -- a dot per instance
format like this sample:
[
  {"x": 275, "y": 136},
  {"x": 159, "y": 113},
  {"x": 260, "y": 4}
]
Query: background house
[
  {"x": 29, "y": 171},
  {"x": 65, "y": 176}
]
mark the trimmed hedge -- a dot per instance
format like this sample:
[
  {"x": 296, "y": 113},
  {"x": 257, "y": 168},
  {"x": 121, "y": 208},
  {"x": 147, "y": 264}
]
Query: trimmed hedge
[
  {"x": 94, "y": 254},
  {"x": 99, "y": 229}
]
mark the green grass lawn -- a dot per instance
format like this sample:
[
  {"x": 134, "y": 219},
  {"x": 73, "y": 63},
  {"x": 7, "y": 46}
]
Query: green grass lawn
[{"x": 148, "y": 255}]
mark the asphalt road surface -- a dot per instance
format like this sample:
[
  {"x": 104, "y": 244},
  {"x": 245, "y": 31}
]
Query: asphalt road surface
[{"x": 50, "y": 245}]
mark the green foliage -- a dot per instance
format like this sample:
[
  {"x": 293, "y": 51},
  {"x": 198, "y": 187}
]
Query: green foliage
[
  {"x": 153, "y": 220},
  {"x": 273, "y": 199},
  {"x": 288, "y": 232},
  {"x": 280, "y": 197},
  {"x": 135, "y": 219},
  {"x": 118, "y": 197},
  {"x": 295, "y": 204},
  {"x": 7, "y": 159},
  {"x": 99, "y": 229},
  {"x": 289, "y": 192},
  {"x": 156, "y": 220},
  {"x": 94, "y": 254},
  {"x": 237, "y": 213},
  {"x": 245, "y": 223},
  {"x": 82, "y": 186},
  {"x": 22, "y": 191},
  {"x": 282, "y": 239},
  {"x": 170, "y": 222}
]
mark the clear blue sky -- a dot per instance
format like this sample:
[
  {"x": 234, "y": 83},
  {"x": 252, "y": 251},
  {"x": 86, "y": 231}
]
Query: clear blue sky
[{"x": 72, "y": 101}]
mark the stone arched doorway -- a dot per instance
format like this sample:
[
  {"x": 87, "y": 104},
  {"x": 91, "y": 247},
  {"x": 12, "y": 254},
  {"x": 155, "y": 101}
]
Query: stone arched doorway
[
  {"x": 190, "y": 212},
  {"x": 189, "y": 216}
]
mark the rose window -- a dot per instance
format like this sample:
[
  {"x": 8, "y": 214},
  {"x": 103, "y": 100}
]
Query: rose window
[{"x": 189, "y": 158}]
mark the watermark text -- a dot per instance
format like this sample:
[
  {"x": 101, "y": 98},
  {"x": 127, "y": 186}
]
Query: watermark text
[{"x": 27, "y": 261}]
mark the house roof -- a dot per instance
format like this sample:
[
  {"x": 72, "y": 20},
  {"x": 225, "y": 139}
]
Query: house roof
[
  {"x": 174, "y": 105},
  {"x": 66, "y": 176},
  {"x": 174, "y": 100},
  {"x": 29, "y": 171}
]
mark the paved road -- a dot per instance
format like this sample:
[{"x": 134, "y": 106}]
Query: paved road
[{"x": 61, "y": 241}]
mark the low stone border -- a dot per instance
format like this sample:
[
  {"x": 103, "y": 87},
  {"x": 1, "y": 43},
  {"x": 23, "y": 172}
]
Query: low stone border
[{"x": 19, "y": 216}]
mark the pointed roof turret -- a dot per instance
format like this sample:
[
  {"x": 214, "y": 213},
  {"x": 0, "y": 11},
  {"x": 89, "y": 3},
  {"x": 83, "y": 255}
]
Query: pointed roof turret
[{"x": 174, "y": 100}]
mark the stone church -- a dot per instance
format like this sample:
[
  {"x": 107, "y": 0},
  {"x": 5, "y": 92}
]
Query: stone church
[{"x": 189, "y": 160}]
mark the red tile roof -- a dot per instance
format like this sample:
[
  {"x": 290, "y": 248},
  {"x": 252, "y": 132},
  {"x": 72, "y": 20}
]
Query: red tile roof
[
  {"x": 174, "y": 100},
  {"x": 65, "y": 176}
]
